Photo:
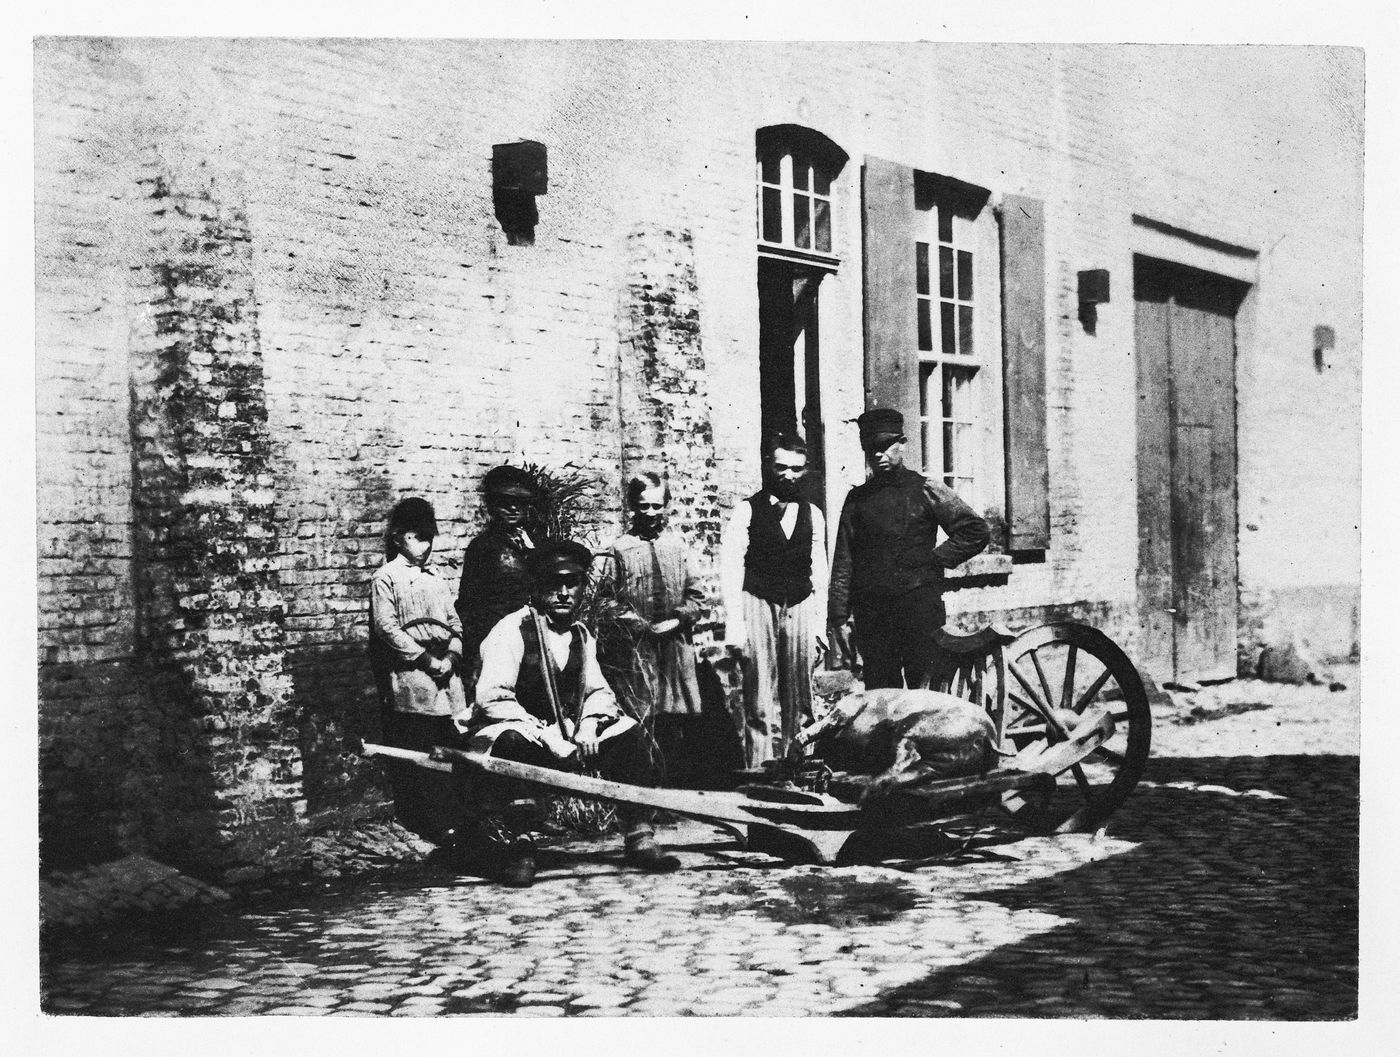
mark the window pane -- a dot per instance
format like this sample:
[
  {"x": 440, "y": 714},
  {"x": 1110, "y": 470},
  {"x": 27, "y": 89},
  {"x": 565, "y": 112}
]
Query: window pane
[
  {"x": 801, "y": 222},
  {"x": 926, "y": 372},
  {"x": 957, "y": 392},
  {"x": 949, "y": 342},
  {"x": 964, "y": 275},
  {"x": 921, "y": 266},
  {"x": 945, "y": 272},
  {"x": 945, "y": 225},
  {"x": 957, "y": 452},
  {"x": 821, "y": 182},
  {"x": 965, "y": 329},
  {"x": 769, "y": 165},
  {"x": 925, "y": 325},
  {"x": 800, "y": 169},
  {"x": 823, "y": 225},
  {"x": 772, "y": 215}
]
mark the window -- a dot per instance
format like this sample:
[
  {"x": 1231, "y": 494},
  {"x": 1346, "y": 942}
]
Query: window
[
  {"x": 794, "y": 170},
  {"x": 794, "y": 201},
  {"x": 954, "y": 300},
  {"x": 952, "y": 344}
]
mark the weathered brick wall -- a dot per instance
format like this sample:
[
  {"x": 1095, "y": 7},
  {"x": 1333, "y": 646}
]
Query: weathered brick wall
[
  {"x": 404, "y": 347},
  {"x": 664, "y": 406}
]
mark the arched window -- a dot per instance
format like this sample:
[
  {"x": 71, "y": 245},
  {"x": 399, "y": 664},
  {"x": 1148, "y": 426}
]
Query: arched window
[{"x": 795, "y": 169}]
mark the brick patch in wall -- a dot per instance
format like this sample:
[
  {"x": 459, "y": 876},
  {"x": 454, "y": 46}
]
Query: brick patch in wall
[
  {"x": 664, "y": 391},
  {"x": 215, "y": 771}
]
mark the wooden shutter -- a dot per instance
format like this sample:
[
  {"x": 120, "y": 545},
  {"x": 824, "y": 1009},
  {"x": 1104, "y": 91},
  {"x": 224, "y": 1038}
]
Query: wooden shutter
[
  {"x": 891, "y": 309},
  {"x": 1023, "y": 327}
]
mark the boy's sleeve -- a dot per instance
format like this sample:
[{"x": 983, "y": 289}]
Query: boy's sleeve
[
  {"x": 967, "y": 533},
  {"x": 733, "y": 543},
  {"x": 820, "y": 572},
  {"x": 838, "y": 605},
  {"x": 501, "y": 653},
  {"x": 692, "y": 594},
  {"x": 454, "y": 621},
  {"x": 384, "y": 621}
]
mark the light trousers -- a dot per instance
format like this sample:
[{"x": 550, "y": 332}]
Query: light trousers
[{"x": 777, "y": 675}]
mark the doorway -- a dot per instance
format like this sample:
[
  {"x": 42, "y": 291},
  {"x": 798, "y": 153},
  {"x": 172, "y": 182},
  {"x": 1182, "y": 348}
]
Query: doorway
[
  {"x": 789, "y": 375},
  {"x": 1187, "y": 579}
]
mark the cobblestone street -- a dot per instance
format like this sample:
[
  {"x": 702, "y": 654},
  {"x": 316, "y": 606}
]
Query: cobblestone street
[{"x": 1225, "y": 888}]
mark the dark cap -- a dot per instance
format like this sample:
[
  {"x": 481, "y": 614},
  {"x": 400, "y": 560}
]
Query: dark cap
[
  {"x": 879, "y": 426},
  {"x": 414, "y": 515},
  {"x": 553, "y": 555},
  {"x": 509, "y": 480}
]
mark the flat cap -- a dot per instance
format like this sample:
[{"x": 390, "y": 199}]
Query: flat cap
[
  {"x": 509, "y": 480},
  {"x": 879, "y": 426},
  {"x": 553, "y": 555}
]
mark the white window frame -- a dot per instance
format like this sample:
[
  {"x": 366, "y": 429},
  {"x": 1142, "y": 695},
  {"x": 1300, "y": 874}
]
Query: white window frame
[
  {"x": 977, "y": 422},
  {"x": 794, "y": 160}
]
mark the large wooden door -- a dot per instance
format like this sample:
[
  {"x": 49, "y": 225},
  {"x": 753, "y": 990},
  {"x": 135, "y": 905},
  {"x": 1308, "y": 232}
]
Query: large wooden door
[{"x": 1187, "y": 518}]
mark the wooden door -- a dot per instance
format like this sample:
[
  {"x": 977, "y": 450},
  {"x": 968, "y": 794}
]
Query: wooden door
[{"x": 1187, "y": 519}]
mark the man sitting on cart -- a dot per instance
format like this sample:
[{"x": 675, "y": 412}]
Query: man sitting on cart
[{"x": 541, "y": 699}]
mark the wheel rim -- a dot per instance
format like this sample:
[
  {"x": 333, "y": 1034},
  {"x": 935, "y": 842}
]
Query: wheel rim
[{"x": 1063, "y": 668}]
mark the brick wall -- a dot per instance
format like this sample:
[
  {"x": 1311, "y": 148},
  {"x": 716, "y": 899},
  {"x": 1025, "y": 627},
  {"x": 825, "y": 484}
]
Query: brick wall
[{"x": 386, "y": 341}]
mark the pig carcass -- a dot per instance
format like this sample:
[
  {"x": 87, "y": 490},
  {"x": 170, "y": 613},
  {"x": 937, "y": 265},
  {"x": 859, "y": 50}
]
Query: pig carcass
[{"x": 903, "y": 738}]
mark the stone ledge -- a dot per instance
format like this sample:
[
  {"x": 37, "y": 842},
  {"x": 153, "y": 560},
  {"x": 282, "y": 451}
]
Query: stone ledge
[
  {"x": 980, "y": 568},
  {"x": 107, "y": 891}
]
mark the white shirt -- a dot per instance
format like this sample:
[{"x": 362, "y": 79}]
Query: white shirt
[{"x": 502, "y": 652}]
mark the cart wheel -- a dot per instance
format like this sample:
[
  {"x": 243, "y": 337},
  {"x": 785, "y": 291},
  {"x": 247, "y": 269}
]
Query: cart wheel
[{"x": 1054, "y": 672}]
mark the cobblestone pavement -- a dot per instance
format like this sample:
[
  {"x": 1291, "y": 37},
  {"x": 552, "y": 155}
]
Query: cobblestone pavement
[{"x": 1225, "y": 888}]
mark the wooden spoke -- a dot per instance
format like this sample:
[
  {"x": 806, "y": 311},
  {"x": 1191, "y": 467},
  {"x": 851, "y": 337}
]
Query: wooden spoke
[
  {"x": 1039, "y": 706},
  {"x": 1093, "y": 690},
  {"x": 1115, "y": 758},
  {"x": 1044, "y": 682},
  {"x": 1067, "y": 689}
]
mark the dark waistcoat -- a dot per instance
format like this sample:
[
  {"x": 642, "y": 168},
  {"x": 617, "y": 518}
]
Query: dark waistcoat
[
  {"x": 529, "y": 685},
  {"x": 893, "y": 533},
  {"x": 778, "y": 569}
]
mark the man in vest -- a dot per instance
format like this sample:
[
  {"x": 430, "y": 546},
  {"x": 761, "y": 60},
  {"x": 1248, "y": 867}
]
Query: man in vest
[
  {"x": 541, "y": 699},
  {"x": 887, "y": 566},
  {"x": 773, "y": 577}
]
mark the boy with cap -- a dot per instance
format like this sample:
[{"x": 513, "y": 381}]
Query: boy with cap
[
  {"x": 887, "y": 568},
  {"x": 416, "y": 654},
  {"x": 494, "y": 581},
  {"x": 541, "y": 699}
]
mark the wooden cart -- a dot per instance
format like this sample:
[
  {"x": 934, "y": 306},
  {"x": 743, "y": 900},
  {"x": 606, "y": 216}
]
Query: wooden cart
[{"x": 1071, "y": 715}]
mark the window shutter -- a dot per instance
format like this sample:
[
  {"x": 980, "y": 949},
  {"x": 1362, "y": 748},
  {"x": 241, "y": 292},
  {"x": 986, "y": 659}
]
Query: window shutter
[
  {"x": 1023, "y": 319},
  {"x": 891, "y": 308}
]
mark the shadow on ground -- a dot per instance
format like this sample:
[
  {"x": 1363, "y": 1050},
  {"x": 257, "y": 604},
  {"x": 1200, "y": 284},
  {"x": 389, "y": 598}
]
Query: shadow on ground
[{"x": 1240, "y": 902}]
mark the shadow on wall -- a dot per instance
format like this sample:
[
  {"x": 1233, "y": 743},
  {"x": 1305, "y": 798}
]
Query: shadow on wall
[
  {"x": 333, "y": 686},
  {"x": 91, "y": 716},
  {"x": 1240, "y": 902}
]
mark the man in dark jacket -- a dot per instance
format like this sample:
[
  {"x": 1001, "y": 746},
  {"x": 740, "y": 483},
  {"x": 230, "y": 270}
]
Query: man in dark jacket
[
  {"x": 494, "y": 580},
  {"x": 887, "y": 569}
]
